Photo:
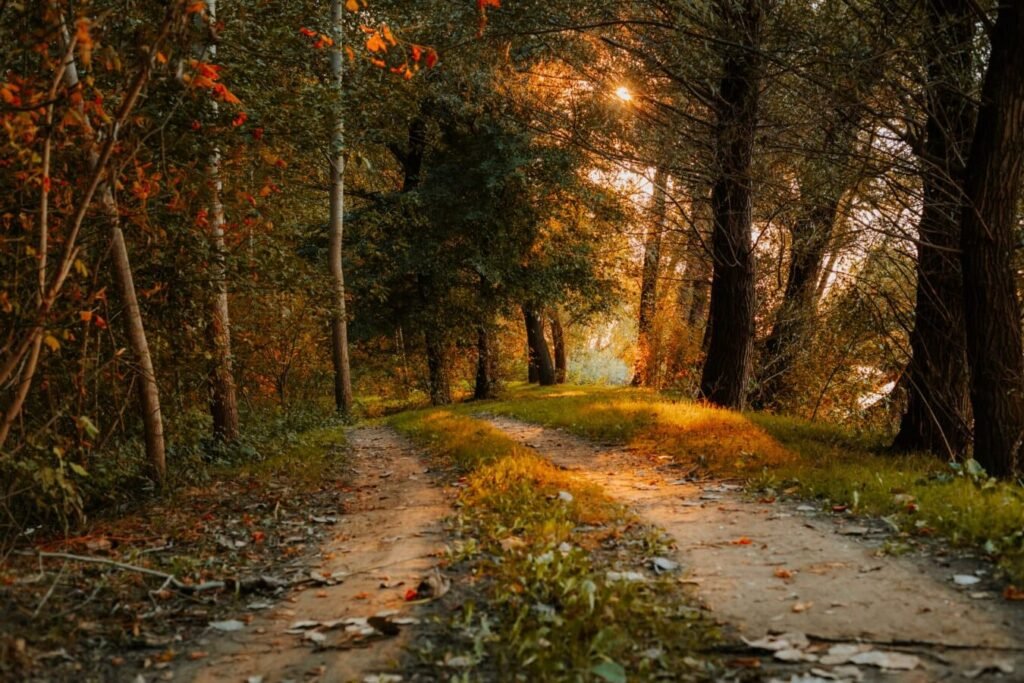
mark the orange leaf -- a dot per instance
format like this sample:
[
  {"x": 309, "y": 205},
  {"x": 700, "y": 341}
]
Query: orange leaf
[
  {"x": 196, "y": 7},
  {"x": 352, "y": 6},
  {"x": 742, "y": 540},
  {"x": 1013, "y": 593},
  {"x": 376, "y": 44}
]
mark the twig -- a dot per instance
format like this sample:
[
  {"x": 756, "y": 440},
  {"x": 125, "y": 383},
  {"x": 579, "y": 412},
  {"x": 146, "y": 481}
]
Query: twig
[
  {"x": 169, "y": 579},
  {"x": 53, "y": 585}
]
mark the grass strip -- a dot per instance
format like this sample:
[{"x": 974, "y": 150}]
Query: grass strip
[
  {"x": 920, "y": 495},
  {"x": 538, "y": 544}
]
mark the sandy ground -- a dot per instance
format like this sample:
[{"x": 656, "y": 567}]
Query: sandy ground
[
  {"x": 775, "y": 568},
  {"x": 387, "y": 538}
]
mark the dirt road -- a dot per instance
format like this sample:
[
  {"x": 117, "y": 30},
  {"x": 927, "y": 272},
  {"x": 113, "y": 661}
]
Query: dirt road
[
  {"x": 851, "y": 611},
  {"x": 387, "y": 537}
]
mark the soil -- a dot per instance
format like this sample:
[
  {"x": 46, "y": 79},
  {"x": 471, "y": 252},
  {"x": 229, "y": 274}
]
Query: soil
[
  {"x": 773, "y": 567},
  {"x": 388, "y": 539}
]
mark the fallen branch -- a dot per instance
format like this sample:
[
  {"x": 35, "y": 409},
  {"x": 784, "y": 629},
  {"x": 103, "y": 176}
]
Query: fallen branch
[{"x": 169, "y": 579}]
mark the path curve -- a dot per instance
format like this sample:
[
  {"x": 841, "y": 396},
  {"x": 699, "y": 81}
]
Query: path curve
[
  {"x": 778, "y": 568},
  {"x": 388, "y": 533}
]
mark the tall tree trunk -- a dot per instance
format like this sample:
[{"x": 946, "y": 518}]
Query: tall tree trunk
[
  {"x": 811, "y": 234},
  {"x": 149, "y": 391},
  {"x": 439, "y": 378},
  {"x": 987, "y": 239},
  {"x": 411, "y": 160},
  {"x": 336, "y": 228},
  {"x": 727, "y": 367},
  {"x": 486, "y": 382},
  {"x": 936, "y": 418},
  {"x": 223, "y": 397},
  {"x": 558, "y": 346},
  {"x": 540, "y": 355},
  {"x": 643, "y": 369}
]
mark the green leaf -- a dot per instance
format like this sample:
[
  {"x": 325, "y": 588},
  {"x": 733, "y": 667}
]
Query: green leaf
[
  {"x": 78, "y": 469},
  {"x": 613, "y": 672},
  {"x": 87, "y": 425}
]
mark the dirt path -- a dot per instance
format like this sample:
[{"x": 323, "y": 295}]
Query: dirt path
[
  {"x": 386, "y": 539},
  {"x": 783, "y": 568}
]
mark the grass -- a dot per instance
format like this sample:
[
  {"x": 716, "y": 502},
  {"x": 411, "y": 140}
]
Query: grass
[
  {"x": 919, "y": 494},
  {"x": 540, "y": 557}
]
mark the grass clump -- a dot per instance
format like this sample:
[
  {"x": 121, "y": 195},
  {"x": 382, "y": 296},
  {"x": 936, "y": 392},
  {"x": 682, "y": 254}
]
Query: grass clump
[
  {"x": 539, "y": 543},
  {"x": 919, "y": 494}
]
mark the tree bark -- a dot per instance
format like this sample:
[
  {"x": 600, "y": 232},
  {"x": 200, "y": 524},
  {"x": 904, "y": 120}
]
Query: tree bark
[
  {"x": 936, "y": 417},
  {"x": 540, "y": 355},
  {"x": 437, "y": 368},
  {"x": 558, "y": 346},
  {"x": 149, "y": 391},
  {"x": 486, "y": 382},
  {"x": 343, "y": 399},
  {"x": 727, "y": 367},
  {"x": 645, "y": 364},
  {"x": 987, "y": 239},
  {"x": 811, "y": 234},
  {"x": 223, "y": 396}
]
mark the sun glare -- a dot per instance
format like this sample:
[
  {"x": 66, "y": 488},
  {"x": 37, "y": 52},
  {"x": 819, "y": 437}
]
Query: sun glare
[{"x": 624, "y": 93}]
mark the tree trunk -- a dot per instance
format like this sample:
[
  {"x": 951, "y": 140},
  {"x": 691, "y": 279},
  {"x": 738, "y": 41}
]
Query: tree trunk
[
  {"x": 727, "y": 367},
  {"x": 643, "y": 369},
  {"x": 149, "y": 391},
  {"x": 558, "y": 344},
  {"x": 437, "y": 368},
  {"x": 486, "y": 382},
  {"x": 336, "y": 228},
  {"x": 987, "y": 239},
  {"x": 936, "y": 418},
  {"x": 811, "y": 234},
  {"x": 539, "y": 353},
  {"x": 223, "y": 398}
]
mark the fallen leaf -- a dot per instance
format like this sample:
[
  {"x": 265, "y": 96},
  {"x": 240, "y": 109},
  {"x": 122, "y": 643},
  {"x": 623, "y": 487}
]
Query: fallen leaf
[
  {"x": 609, "y": 671},
  {"x": 227, "y": 626},
  {"x": 742, "y": 540},
  {"x": 783, "y": 573},
  {"x": 663, "y": 564},
  {"x": 965, "y": 579},
  {"x": 886, "y": 660},
  {"x": 384, "y": 625},
  {"x": 802, "y": 606},
  {"x": 1011, "y": 592}
]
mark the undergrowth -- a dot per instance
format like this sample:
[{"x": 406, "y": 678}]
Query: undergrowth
[
  {"x": 920, "y": 495},
  {"x": 540, "y": 543}
]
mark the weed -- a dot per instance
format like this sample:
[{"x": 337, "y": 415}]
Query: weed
[{"x": 539, "y": 543}]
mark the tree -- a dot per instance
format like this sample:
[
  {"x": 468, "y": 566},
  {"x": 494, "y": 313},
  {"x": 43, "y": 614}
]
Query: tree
[
  {"x": 727, "y": 367},
  {"x": 539, "y": 353},
  {"x": 936, "y": 417},
  {"x": 223, "y": 396},
  {"x": 643, "y": 370},
  {"x": 339, "y": 314},
  {"x": 995, "y": 170}
]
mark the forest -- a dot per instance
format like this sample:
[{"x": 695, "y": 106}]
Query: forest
[{"x": 412, "y": 323}]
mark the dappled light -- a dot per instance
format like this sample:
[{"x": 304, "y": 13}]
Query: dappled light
[{"x": 495, "y": 340}]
